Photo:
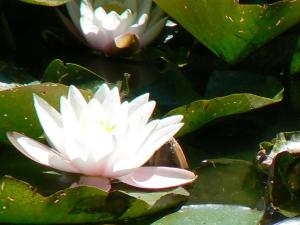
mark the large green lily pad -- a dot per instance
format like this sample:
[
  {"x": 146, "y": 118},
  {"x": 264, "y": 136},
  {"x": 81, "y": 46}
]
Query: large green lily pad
[
  {"x": 232, "y": 30},
  {"x": 227, "y": 181},
  {"x": 16, "y": 108},
  {"x": 201, "y": 112},
  {"x": 46, "y": 2},
  {"x": 21, "y": 203},
  {"x": 212, "y": 214}
]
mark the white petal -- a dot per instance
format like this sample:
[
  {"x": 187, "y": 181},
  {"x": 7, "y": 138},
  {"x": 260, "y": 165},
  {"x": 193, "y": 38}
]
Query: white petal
[
  {"x": 102, "y": 93},
  {"x": 50, "y": 120},
  {"x": 100, "y": 13},
  {"x": 138, "y": 102},
  {"x": 152, "y": 143},
  {"x": 88, "y": 27},
  {"x": 158, "y": 177},
  {"x": 73, "y": 10},
  {"x": 141, "y": 115},
  {"x": 152, "y": 32},
  {"x": 86, "y": 9},
  {"x": 99, "y": 182},
  {"x": 76, "y": 100},
  {"x": 111, "y": 21},
  {"x": 144, "y": 7},
  {"x": 40, "y": 153}
]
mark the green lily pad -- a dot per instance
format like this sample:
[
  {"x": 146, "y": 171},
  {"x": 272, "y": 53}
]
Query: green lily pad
[
  {"x": 201, "y": 112},
  {"x": 269, "y": 150},
  {"x": 230, "y": 29},
  {"x": 227, "y": 181},
  {"x": 47, "y": 2},
  {"x": 212, "y": 214},
  {"x": 295, "y": 64},
  {"x": 284, "y": 183},
  {"x": 17, "y": 112},
  {"x": 80, "y": 205},
  {"x": 69, "y": 73}
]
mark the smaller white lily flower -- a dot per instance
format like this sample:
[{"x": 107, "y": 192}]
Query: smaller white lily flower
[
  {"x": 114, "y": 25},
  {"x": 104, "y": 139}
]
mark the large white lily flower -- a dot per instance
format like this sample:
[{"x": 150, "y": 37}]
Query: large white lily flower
[
  {"x": 114, "y": 25},
  {"x": 104, "y": 139}
]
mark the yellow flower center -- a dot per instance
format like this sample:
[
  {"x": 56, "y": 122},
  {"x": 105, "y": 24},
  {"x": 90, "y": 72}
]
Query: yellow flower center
[{"x": 106, "y": 126}]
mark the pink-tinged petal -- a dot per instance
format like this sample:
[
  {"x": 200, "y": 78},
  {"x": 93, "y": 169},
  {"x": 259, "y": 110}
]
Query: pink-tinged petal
[
  {"x": 40, "y": 153},
  {"x": 99, "y": 182},
  {"x": 76, "y": 100},
  {"x": 158, "y": 177},
  {"x": 50, "y": 120}
]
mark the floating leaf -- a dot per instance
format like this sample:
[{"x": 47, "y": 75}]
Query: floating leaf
[
  {"x": 201, "y": 112},
  {"x": 230, "y": 29},
  {"x": 79, "y": 205},
  {"x": 47, "y": 2},
  {"x": 285, "y": 183},
  {"x": 227, "y": 181},
  {"x": 295, "y": 64},
  {"x": 212, "y": 214},
  {"x": 70, "y": 73}
]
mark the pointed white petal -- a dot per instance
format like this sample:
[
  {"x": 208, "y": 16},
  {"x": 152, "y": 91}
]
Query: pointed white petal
[
  {"x": 102, "y": 93},
  {"x": 144, "y": 7},
  {"x": 76, "y": 100},
  {"x": 86, "y": 9},
  {"x": 111, "y": 21},
  {"x": 40, "y": 153},
  {"x": 158, "y": 177},
  {"x": 137, "y": 102},
  {"x": 152, "y": 32},
  {"x": 150, "y": 145},
  {"x": 50, "y": 120},
  {"x": 100, "y": 13},
  {"x": 88, "y": 27}
]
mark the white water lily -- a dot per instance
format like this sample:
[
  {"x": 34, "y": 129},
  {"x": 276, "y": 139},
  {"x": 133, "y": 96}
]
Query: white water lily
[
  {"x": 104, "y": 139},
  {"x": 114, "y": 25}
]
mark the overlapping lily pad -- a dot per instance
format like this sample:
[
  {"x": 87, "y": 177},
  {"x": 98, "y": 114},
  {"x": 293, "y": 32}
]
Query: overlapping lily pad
[
  {"x": 212, "y": 214},
  {"x": 71, "y": 73},
  {"x": 227, "y": 181},
  {"x": 21, "y": 203},
  {"x": 230, "y": 29},
  {"x": 201, "y": 112}
]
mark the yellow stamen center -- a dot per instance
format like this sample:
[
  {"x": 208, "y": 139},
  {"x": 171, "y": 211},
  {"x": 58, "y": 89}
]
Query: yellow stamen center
[{"x": 106, "y": 126}]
